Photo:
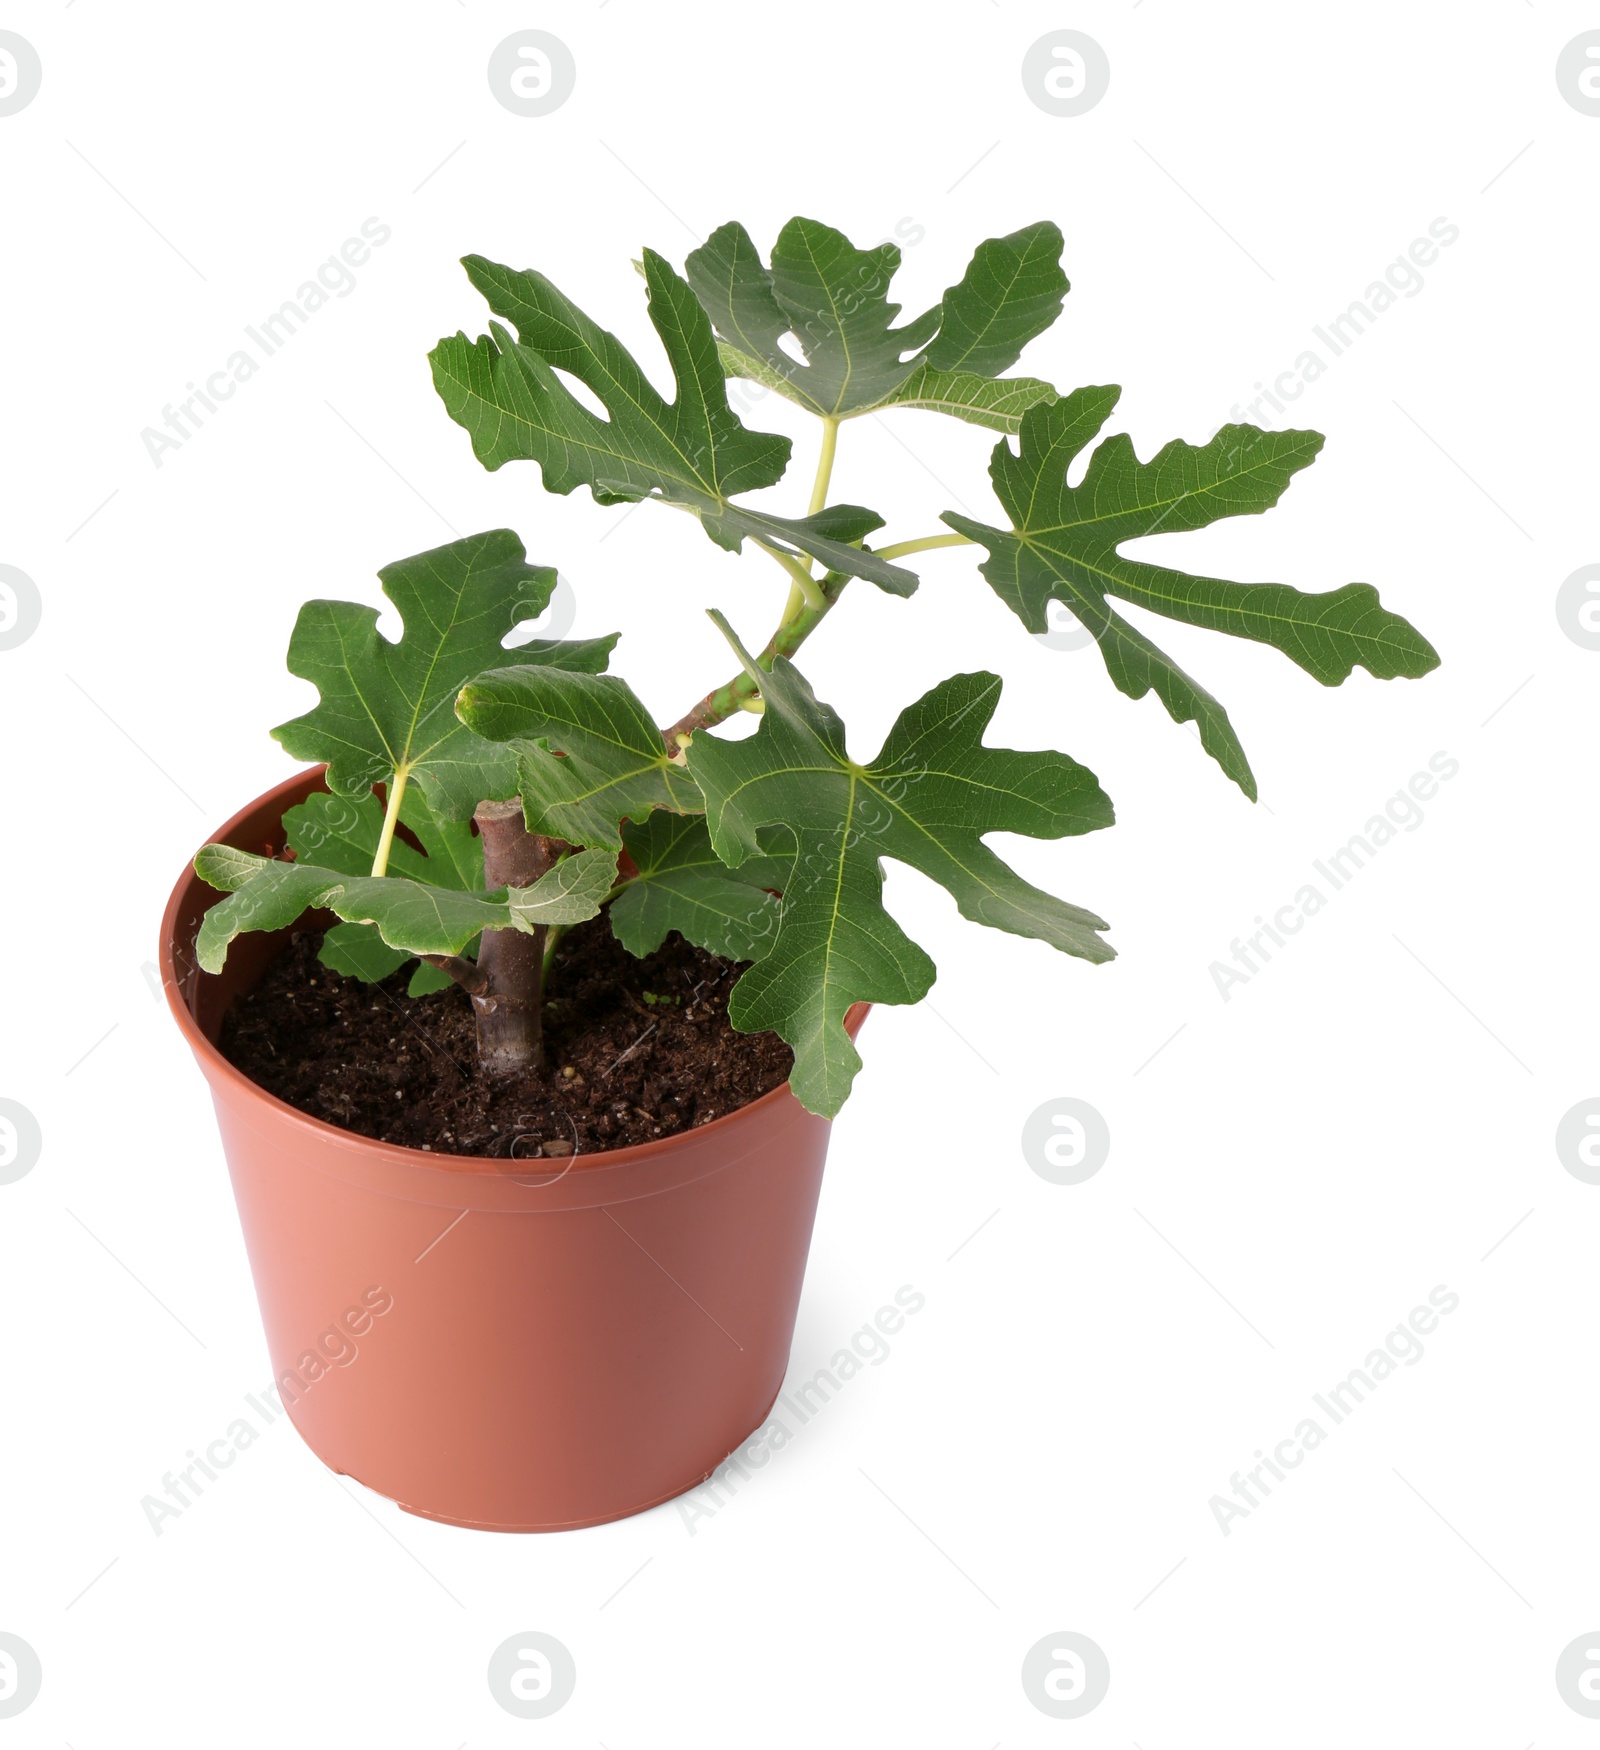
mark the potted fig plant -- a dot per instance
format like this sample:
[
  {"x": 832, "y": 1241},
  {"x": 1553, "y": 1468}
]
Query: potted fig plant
[{"x": 500, "y": 1005}]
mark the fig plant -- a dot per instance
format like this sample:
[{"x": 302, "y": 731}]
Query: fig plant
[{"x": 524, "y": 789}]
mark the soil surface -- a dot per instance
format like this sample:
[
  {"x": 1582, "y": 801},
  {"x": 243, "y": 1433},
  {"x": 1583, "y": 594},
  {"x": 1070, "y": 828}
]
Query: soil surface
[{"x": 634, "y": 1050}]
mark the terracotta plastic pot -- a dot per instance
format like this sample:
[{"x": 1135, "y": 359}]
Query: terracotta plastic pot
[{"x": 529, "y": 1346}]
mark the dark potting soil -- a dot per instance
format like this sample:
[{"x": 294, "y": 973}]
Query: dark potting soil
[{"x": 634, "y": 1050}]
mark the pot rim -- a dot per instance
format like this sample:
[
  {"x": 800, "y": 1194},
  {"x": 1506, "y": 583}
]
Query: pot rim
[{"x": 216, "y": 1066}]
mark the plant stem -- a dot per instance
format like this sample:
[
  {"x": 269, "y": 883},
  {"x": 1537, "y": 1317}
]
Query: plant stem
[
  {"x": 809, "y": 600},
  {"x": 795, "y": 604},
  {"x": 790, "y": 635},
  {"x": 511, "y": 961},
  {"x": 923, "y": 544},
  {"x": 819, "y": 487},
  {"x": 799, "y": 575},
  {"x": 391, "y": 818},
  {"x": 467, "y": 973},
  {"x": 800, "y": 619}
]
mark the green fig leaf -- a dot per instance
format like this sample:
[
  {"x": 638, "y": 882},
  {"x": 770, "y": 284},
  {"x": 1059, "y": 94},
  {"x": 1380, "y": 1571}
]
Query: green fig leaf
[
  {"x": 341, "y": 833},
  {"x": 386, "y": 713},
  {"x": 691, "y": 452},
  {"x": 358, "y": 951},
  {"x": 684, "y": 885},
  {"x": 833, "y": 300},
  {"x": 927, "y": 800},
  {"x": 265, "y": 894},
  {"x": 1064, "y": 544},
  {"x": 588, "y": 754}
]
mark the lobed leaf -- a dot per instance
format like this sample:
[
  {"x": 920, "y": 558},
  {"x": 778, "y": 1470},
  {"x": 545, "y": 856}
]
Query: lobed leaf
[
  {"x": 571, "y": 892},
  {"x": 385, "y": 712},
  {"x": 358, "y": 951},
  {"x": 1064, "y": 544},
  {"x": 998, "y": 403},
  {"x": 420, "y": 919},
  {"x": 1012, "y": 290},
  {"x": 683, "y": 885},
  {"x": 588, "y": 754},
  {"x": 927, "y": 799},
  {"x": 341, "y": 833},
  {"x": 692, "y": 451},
  {"x": 268, "y": 895},
  {"x": 833, "y": 299}
]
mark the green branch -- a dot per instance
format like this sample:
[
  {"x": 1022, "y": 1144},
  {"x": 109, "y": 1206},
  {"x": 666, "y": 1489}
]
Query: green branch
[{"x": 801, "y": 618}]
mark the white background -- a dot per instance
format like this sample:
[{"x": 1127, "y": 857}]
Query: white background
[{"x": 1288, "y": 1177}]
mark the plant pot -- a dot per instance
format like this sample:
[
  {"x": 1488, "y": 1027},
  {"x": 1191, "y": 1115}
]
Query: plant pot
[{"x": 516, "y": 1347}]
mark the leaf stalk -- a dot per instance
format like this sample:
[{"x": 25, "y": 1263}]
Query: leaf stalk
[
  {"x": 819, "y": 486},
  {"x": 391, "y": 819},
  {"x": 923, "y": 544}
]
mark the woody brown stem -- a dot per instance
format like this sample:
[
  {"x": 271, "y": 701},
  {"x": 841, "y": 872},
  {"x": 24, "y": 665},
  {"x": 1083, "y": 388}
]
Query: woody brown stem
[
  {"x": 510, "y": 961},
  {"x": 467, "y": 973}
]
